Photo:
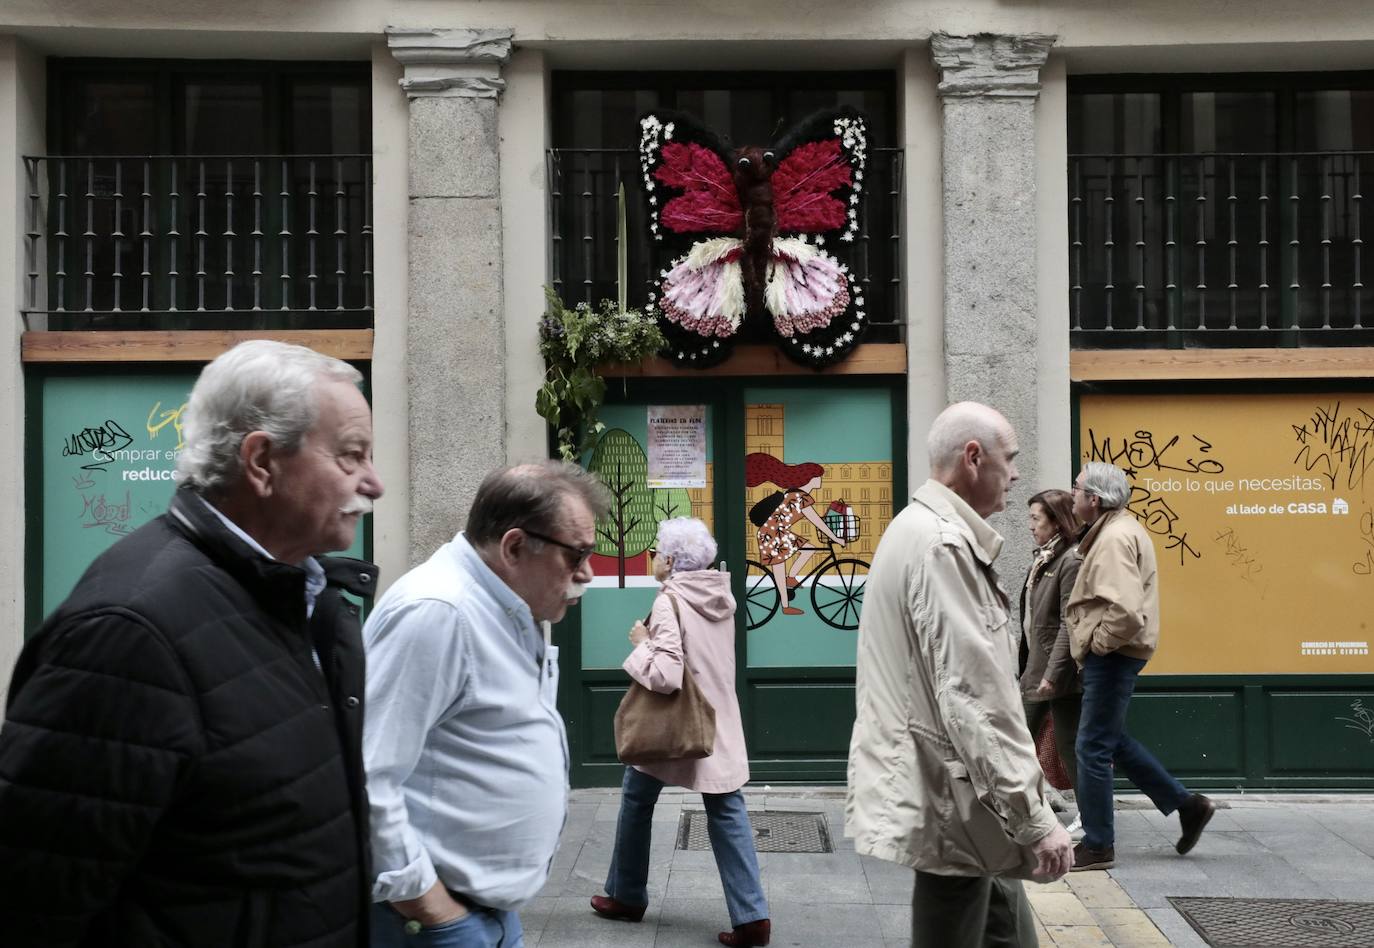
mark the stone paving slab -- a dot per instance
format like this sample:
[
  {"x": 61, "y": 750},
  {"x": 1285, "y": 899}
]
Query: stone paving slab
[{"x": 1268, "y": 846}]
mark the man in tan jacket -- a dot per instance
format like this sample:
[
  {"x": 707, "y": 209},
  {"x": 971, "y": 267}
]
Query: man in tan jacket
[
  {"x": 942, "y": 771},
  {"x": 1113, "y": 619}
]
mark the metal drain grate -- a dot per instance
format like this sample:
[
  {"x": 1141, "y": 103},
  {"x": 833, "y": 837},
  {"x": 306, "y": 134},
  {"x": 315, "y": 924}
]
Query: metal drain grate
[
  {"x": 1279, "y": 923},
  {"x": 775, "y": 831}
]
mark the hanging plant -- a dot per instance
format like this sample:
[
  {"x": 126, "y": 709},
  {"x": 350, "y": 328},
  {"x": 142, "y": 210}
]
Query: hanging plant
[{"x": 573, "y": 342}]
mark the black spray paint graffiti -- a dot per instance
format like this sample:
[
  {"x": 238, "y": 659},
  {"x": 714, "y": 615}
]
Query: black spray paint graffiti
[
  {"x": 1336, "y": 445},
  {"x": 100, "y": 443},
  {"x": 1139, "y": 453},
  {"x": 1365, "y": 567}
]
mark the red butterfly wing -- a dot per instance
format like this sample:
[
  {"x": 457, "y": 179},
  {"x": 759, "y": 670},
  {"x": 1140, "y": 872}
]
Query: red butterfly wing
[
  {"x": 709, "y": 202},
  {"x": 677, "y": 154},
  {"x": 818, "y": 181}
]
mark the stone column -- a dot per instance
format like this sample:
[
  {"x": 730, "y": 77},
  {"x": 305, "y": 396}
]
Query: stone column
[
  {"x": 455, "y": 334},
  {"x": 988, "y": 89}
]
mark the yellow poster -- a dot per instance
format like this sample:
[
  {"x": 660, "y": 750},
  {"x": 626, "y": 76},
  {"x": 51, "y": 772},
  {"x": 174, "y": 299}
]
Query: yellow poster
[{"x": 1262, "y": 512}]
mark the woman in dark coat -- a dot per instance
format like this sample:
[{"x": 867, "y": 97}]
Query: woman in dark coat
[{"x": 1049, "y": 676}]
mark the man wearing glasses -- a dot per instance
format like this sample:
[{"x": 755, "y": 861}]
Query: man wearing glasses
[
  {"x": 466, "y": 754},
  {"x": 1113, "y": 619}
]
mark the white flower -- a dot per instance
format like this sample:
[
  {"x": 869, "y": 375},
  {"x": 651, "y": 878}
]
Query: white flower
[
  {"x": 820, "y": 241},
  {"x": 859, "y": 313},
  {"x": 652, "y": 199},
  {"x": 715, "y": 343},
  {"x": 829, "y": 350},
  {"x": 854, "y": 326},
  {"x": 682, "y": 355},
  {"x": 858, "y": 301},
  {"x": 668, "y": 131},
  {"x": 847, "y": 236}
]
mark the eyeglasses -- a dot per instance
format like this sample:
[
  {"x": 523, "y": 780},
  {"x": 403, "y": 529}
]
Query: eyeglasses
[
  {"x": 583, "y": 552},
  {"x": 1077, "y": 489},
  {"x": 653, "y": 552}
]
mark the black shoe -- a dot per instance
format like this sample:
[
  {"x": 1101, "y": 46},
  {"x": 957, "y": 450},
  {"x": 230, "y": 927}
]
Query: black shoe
[
  {"x": 1194, "y": 814},
  {"x": 1085, "y": 858}
]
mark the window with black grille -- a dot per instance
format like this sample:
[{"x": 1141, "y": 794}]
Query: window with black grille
[
  {"x": 1220, "y": 210},
  {"x": 202, "y": 194}
]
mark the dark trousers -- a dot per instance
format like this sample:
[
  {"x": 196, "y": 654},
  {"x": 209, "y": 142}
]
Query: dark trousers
[
  {"x": 970, "y": 912},
  {"x": 1066, "y": 711},
  {"x": 1103, "y": 744}
]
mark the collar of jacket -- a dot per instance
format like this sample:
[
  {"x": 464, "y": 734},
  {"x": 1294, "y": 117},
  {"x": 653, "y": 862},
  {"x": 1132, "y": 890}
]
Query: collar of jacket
[
  {"x": 985, "y": 541},
  {"x": 1090, "y": 536},
  {"x": 255, "y": 571}
]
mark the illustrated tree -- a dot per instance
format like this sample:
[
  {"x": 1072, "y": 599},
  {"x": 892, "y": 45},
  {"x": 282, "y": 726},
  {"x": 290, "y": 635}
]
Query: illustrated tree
[
  {"x": 671, "y": 502},
  {"x": 629, "y": 529}
]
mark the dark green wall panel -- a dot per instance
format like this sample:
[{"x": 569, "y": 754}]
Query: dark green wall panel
[
  {"x": 800, "y": 719},
  {"x": 1191, "y": 732},
  {"x": 1321, "y": 734}
]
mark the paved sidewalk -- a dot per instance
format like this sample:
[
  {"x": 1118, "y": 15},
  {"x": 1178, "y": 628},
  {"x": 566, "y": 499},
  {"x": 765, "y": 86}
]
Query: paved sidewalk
[{"x": 1261, "y": 846}]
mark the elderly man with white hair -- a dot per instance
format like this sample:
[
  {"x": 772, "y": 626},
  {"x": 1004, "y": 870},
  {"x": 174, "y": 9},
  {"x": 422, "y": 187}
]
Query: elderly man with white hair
[
  {"x": 181, "y": 759},
  {"x": 1113, "y": 619},
  {"x": 943, "y": 776}
]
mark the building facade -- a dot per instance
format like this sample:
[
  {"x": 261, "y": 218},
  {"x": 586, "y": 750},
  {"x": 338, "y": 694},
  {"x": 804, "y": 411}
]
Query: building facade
[{"x": 1137, "y": 229}]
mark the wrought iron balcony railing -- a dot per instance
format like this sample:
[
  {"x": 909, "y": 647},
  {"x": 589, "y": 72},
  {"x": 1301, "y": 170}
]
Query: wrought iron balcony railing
[
  {"x": 1220, "y": 249},
  {"x": 177, "y": 242},
  {"x": 583, "y": 188}
]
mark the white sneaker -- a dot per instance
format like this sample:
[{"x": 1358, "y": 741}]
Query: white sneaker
[{"x": 1076, "y": 828}]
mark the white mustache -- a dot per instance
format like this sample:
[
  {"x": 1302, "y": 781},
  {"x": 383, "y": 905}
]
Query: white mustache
[
  {"x": 575, "y": 591},
  {"x": 358, "y": 505}
]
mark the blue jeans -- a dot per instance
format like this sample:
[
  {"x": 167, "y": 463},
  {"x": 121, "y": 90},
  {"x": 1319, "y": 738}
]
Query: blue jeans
[
  {"x": 732, "y": 841},
  {"x": 480, "y": 928},
  {"x": 1108, "y": 683}
]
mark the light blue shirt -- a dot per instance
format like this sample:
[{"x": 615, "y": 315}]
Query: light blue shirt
[{"x": 466, "y": 753}]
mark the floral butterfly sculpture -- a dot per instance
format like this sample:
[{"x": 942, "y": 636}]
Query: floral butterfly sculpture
[{"x": 739, "y": 223}]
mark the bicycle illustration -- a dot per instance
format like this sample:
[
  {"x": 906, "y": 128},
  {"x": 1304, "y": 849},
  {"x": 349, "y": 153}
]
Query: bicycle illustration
[{"x": 837, "y": 589}]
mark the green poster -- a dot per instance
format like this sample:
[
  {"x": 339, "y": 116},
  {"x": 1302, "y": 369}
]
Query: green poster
[{"x": 109, "y": 447}]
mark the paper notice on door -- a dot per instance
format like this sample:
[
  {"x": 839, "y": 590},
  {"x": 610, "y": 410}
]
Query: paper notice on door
[{"x": 677, "y": 446}]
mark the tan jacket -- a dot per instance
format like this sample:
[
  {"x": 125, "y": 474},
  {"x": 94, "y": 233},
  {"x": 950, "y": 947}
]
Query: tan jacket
[
  {"x": 942, "y": 771},
  {"x": 1114, "y": 605}
]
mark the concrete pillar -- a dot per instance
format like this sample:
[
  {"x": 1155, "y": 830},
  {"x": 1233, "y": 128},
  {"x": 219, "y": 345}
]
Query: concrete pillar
[
  {"x": 22, "y": 131},
  {"x": 456, "y": 342},
  {"x": 988, "y": 89}
]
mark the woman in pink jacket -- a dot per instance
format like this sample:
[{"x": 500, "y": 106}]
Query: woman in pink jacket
[{"x": 682, "y": 563}]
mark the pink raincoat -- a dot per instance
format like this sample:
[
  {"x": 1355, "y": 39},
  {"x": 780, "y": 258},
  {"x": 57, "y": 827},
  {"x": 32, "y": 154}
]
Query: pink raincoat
[{"x": 708, "y": 612}]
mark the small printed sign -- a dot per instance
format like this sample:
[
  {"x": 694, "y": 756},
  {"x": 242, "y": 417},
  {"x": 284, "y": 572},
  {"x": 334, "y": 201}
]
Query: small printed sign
[{"x": 677, "y": 446}]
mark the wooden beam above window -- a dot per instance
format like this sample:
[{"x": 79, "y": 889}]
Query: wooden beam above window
[
  {"x": 1140, "y": 365},
  {"x": 875, "y": 358},
  {"x": 200, "y": 345}
]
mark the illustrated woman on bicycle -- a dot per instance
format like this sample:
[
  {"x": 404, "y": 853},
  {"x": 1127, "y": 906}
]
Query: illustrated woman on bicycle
[{"x": 776, "y": 514}]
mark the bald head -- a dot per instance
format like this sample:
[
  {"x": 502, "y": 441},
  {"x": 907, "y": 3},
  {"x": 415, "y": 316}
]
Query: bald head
[
  {"x": 959, "y": 424},
  {"x": 972, "y": 451}
]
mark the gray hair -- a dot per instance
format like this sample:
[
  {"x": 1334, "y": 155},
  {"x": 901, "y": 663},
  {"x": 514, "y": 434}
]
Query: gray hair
[
  {"x": 260, "y": 385},
  {"x": 1108, "y": 482},
  {"x": 530, "y": 497},
  {"x": 688, "y": 542},
  {"x": 956, "y": 426}
]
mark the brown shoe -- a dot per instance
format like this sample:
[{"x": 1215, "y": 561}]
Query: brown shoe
[
  {"x": 607, "y": 907},
  {"x": 1085, "y": 858},
  {"x": 792, "y": 611},
  {"x": 1194, "y": 814},
  {"x": 750, "y": 933},
  {"x": 792, "y": 582}
]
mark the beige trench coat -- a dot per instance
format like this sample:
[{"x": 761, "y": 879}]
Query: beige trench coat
[{"x": 942, "y": 771}]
